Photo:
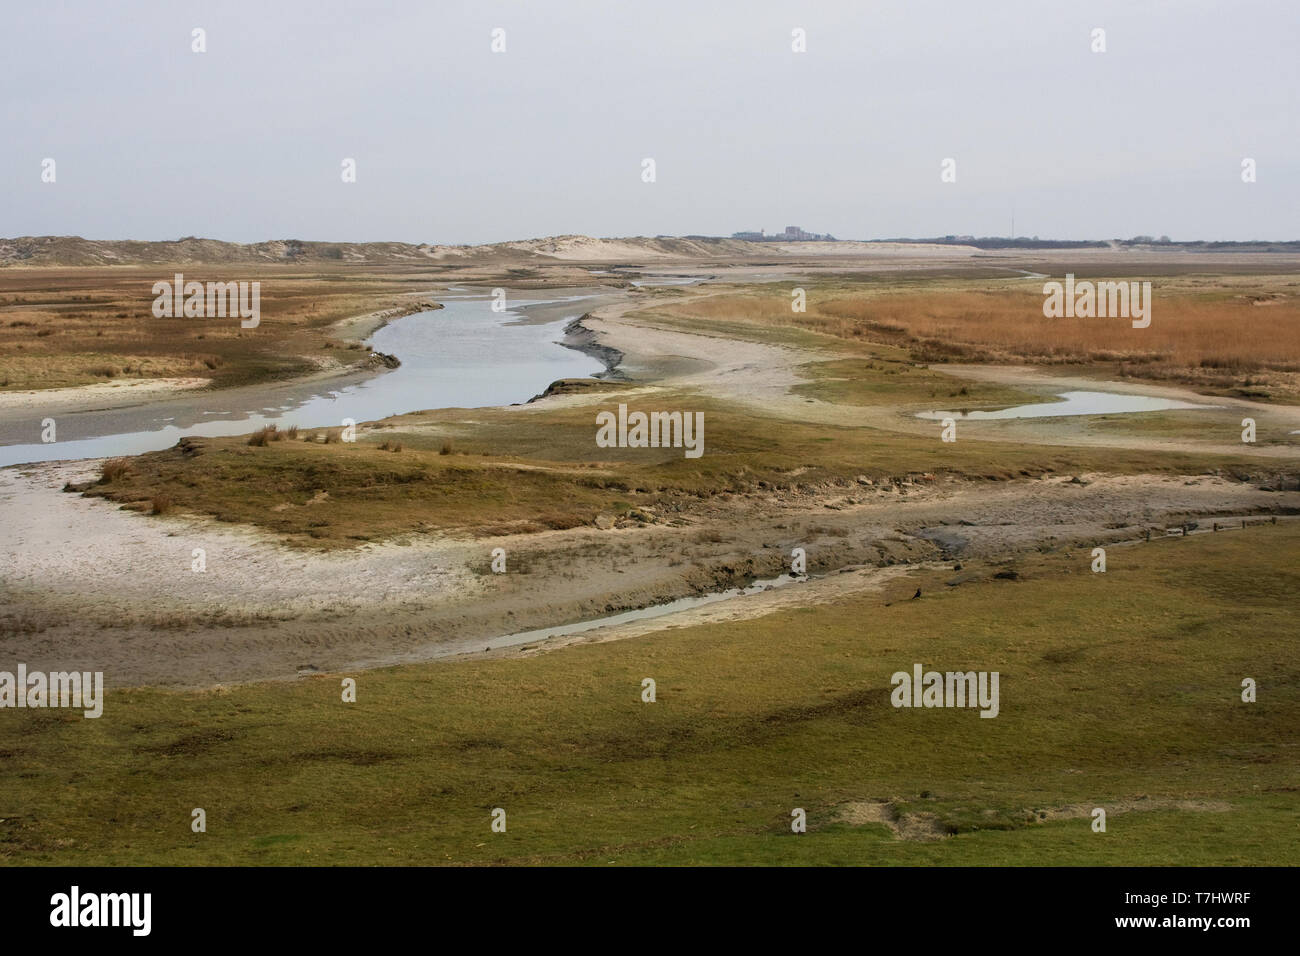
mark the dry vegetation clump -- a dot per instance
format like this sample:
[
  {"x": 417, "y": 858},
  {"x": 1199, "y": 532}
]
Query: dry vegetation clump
[
  {"x": 264, "y": 436},
  {"x": 113, "y": 469}
]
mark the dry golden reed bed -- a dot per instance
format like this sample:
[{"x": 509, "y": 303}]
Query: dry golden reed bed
[{"x": 1213, "y": 332}]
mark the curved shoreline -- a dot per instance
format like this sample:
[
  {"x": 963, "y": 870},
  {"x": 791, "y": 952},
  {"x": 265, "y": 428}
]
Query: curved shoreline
[
  {"x": 358, "y": 328},
  {"x": 127, "y": 403}
]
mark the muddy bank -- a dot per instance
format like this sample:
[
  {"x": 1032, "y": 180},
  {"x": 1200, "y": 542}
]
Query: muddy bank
[
  {"x": 578, "y": 336},
  {"x": 358, "y": 328},
  {"x": 89, "y": 585}
]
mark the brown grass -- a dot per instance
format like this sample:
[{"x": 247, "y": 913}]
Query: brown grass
[
  {"x": 64, "y": 327},
  {"x": 1186, "y": 331},
  {"x": 1213, "y": 332}
]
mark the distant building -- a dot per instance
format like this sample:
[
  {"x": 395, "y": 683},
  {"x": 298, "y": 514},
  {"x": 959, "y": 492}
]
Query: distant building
[{"x": 791, "y": 234}]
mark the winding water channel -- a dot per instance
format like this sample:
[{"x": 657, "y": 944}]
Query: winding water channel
[{"x": 463, "y": 355}]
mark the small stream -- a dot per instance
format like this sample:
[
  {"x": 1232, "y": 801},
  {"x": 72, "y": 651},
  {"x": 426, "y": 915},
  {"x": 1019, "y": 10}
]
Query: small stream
[{"x": 466, "y": 645}]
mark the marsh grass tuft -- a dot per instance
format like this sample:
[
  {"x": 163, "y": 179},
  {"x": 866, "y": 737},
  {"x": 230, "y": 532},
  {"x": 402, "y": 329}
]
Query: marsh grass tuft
[{"x": 263, "y": 436}]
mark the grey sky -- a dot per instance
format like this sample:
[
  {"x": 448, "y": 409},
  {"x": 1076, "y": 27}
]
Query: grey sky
[{"x": 456, "y": 144}]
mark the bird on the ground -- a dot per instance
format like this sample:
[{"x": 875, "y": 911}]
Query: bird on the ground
[{"x": 917, "y": 594}]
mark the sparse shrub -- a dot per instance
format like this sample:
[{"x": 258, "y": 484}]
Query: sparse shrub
[
  {"x": 291, "y": 433},
  {"x": 446, "y": 448},
  {"x": 332, "y": 436},
  {"x": 160, "y": 504}
]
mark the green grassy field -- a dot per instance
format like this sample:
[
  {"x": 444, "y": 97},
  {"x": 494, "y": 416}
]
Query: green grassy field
[{"x": 1118, "y": 690}]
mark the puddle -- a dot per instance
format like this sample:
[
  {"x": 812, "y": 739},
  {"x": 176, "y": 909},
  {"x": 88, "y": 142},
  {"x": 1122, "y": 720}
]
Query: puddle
[
  {"x": 1075, "y": 403},
  {"x": 656, "y": 281}
]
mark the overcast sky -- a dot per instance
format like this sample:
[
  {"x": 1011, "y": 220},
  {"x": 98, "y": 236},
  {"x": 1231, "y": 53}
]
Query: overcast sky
[{"x": 457, "y": 144}]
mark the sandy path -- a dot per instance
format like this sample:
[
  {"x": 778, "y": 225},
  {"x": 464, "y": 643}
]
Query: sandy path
[{"x": 101, "y": 394}]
